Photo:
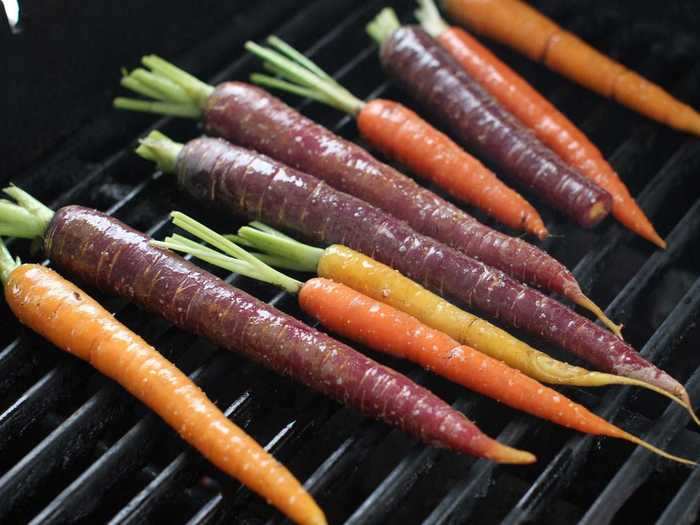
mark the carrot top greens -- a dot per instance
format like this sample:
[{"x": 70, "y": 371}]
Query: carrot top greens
[
  {"x": 171, "y": 90},
  {"x": 26, "y": 217},
  {"x": 302, "y": 76},
  {"x": 7, "y": 263},
  {"x": 229, "y": 257}
]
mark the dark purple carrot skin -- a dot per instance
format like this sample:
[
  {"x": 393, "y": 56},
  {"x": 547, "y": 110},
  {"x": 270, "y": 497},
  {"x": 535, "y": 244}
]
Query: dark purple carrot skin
[
  {"x": 428, "y": 73},
  {"x": 113, "y": 257},
  {"x": 251, "y": 117},
  {"x": 244, "y": 182}
]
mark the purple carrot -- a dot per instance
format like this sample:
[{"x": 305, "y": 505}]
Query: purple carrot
[
  {"x": 428, "y": 73},
  {"x": 251, "y": 117},
  {"x": 216, "y": 172},
  {"x": 106, "y": 254}
]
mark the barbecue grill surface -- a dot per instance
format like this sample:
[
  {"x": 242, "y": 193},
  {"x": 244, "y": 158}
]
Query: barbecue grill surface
[{"x": 75, "y": 448}]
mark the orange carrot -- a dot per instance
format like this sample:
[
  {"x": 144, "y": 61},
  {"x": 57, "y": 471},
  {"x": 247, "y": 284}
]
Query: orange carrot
[
  {"x": 550, "y": 126},
  {"x": 73, "y": 321},
  {"x": 403, "y": 135},
  {"x": 386, "y": 329},
  {"x": 523, "y": 28}
]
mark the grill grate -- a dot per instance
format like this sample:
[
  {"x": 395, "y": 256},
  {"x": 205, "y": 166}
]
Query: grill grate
[{"x": 74, "y": 447}]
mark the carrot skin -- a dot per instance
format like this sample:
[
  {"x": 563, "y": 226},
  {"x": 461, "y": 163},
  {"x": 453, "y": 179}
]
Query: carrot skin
[
  {"x": 548, "y": 124},
  {"x": 216, "y": 172},
  {"x": 478, "y": 122},
  {"x": 525, "y": 29},
  {"x": 118, "y": 259},
  {"x": 73, "y": 321},
  {"x": 383, "y": 328},
  {"x": 253, "y": 118},
  {"x": 402, "y": 135}
]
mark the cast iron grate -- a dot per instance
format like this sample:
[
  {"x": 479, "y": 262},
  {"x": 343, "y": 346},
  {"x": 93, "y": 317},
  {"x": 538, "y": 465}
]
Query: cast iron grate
[{"x": 76, "y": 448}]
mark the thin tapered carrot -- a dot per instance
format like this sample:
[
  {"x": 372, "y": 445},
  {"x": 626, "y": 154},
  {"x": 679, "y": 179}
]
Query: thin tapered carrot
[
  {"x": 69, "y": 318},
  {"x": 386, "y": 329},
  {"x": 523, "y": 28},
  {"x": 550, "y": 126},
  {"x": 389, "y": 330},
  {"x": 382, "y": 283},
  {"x": 403, "y": 135}
]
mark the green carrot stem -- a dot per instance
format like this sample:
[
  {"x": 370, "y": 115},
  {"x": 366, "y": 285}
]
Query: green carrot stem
[
  {"x": 27, "y": 218},
  {"x": 271, "y": 244},
  {"x": 199, "y": 91},
  {"x": 303, "y": 76},
  {"x": 383, "y": 25},
  {"x": 163, "y": 85},
  {"x": 138, "y": 87},
  {"x": 161, "y": 150},
  {"x": 172, "y": 90},
  {"x": 234, "y": 254},
  {"x": 429, "y": 17},
  {"x": 283, "y": 85},
  {"x": 7, "y": 263},
  {"x": 269, "y": 229},
  {"x": 297, "y": 57},
  {"x": 173, "y": 109}
]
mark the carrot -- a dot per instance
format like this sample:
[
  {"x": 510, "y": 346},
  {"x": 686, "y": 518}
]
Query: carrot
[
  {"x": 251, "y": 117},
  {"x": 110, "y": 256},
  {"x": 523, "y": 28},
  {"x": 402, "y": 135},
  {"x": 478, "y": 121},
  {"x": 247, "y": 183},
  {"x": 386, "y": 329},
  {"x": 533, "y": 110},
  {"x": 370, "y": 277},
  {"x": 72, "y": 320}
]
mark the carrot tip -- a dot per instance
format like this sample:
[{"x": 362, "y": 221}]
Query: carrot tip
[
  {"x": 685, "y": 398},
  {"x": 657, "y": 240},
  {"x": 505, "y": 454},
  {"x": 581, "y": 300},
  {"x": 656, "y": 450}
]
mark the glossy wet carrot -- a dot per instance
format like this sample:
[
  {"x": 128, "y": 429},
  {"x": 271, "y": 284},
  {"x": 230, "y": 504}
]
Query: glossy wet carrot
[
  {"x": 533, "y": 110},
  {"x": 528, "y": 31},
  {"x": 69, "y": 318},
  {"x": 113, "y": 257},
  {"x": 386, "y": 329},
  {"x": 402, "y": 135}
]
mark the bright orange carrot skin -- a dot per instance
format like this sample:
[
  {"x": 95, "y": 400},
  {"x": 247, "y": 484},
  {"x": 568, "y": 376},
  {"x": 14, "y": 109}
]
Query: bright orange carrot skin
[
  {"x": 389, "y": 330},
  {"x": 402, "y": 135},
  {"x": 73, "y": 321},
  {"x": 550, "y": 125},
  {"x": 523, "y": 28}
]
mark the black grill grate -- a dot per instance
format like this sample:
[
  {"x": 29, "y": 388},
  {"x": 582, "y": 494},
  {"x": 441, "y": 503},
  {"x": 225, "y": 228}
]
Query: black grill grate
[{"x": 74, "y": 447}]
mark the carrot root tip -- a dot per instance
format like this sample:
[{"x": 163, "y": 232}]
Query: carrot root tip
[
  {"x": 685, "y": 398},
  {"x": 505, "y": 454},
  {"x": 583, "y": 301}
]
